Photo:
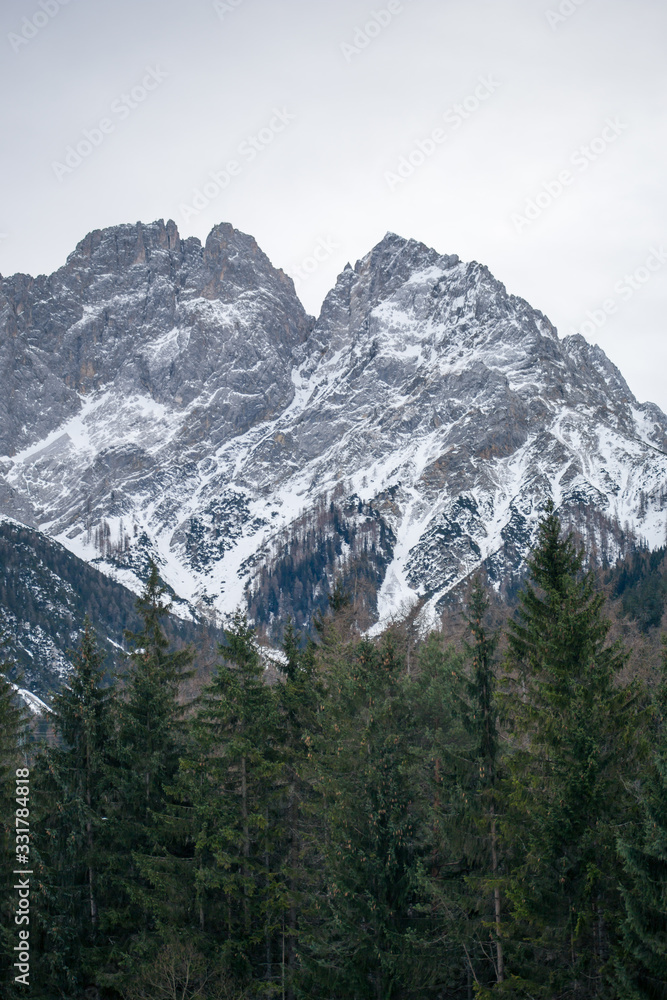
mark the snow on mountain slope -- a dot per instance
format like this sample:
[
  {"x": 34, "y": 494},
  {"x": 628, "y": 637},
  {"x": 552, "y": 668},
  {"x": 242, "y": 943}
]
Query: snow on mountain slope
[{"x": 167, "y": 399}]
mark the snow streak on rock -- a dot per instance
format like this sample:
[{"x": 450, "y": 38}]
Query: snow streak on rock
[{"x": 173, "y": 400}]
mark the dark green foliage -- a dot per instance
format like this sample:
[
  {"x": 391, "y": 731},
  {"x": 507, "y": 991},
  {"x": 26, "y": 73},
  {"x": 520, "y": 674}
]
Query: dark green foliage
[
  {"x": 150, "y": 738},
  {"x": 458, "y": 705},
  {"x": 374, "y": 925},
  {"x": 230, "y": 778},
  {"x": 642, "y": 960},
  {"x": 300, "y": 695},
  {"x": 481, "y": 802},
  {"x": 640, "y": 581},
  {"x": 483, "y": 712},
  {"x": 151, "y": 735},
  {"x": 73, "y": 781},
  {"x": 352, "y": 822},
  {"x": 441, "y": 769},
  {"x": 573, "y": 731}
]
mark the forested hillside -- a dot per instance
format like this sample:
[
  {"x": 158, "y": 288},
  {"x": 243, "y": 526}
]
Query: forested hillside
[
  {"x": 639, "y": 582},
  {"x": 46, "y": 593},
  {"x": 386, "y": 818}
]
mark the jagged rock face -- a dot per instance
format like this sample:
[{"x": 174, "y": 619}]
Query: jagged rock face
[
  {"x": 176, "y": 400},
  {"x": 140, "y": 311}
]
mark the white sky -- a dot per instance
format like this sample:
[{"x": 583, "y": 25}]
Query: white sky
[{"x": 322, "y": 181}]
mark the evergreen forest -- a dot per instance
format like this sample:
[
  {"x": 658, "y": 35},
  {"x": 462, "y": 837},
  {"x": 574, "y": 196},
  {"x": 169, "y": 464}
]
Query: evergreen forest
[{"x": 350, "y": 818}]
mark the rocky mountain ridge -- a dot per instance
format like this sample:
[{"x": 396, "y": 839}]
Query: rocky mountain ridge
[{"x": 170, "y": 399}]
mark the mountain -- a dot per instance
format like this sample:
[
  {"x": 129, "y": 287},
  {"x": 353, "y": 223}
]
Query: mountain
[
  {"x": 173, "y": 400},
  {"x": 45, "y": 594}
]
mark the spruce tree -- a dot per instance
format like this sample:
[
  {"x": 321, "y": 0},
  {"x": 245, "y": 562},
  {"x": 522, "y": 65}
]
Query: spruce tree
[
  {"x": 641, "y": 967},
  {"x": 572, "y": 730},
  {"x": 152, "y": 729},
  {"x": 299, "y": 695},
  {"x": 230, "y": 777},
  {"x": 442, "y": 775},
  {"x": 74, "y": 785},
  {"x": 458, "y": 716},
  {"x": 151, "y": 736},
  {"x": 482, "y": 788},
  {"x": 365, "y": 941}
]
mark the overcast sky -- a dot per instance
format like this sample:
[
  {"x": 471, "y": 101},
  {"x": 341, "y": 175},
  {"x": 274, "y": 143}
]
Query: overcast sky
[{"x": 529, "y": 135}]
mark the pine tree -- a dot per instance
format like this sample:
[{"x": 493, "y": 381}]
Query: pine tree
[
  {"x": 443, "y": 771},
  {"x": 74, "y": 785},
  {"x": 151, "y": 737},
  {"x": 230, "y": 777},
  {"x": 299, "y": 695},
  {"x": 573, "y": 734},
  {"x": 365, "y": 942},
  {"x": 642, "y": 963},
  {"x": 482, "y": 786},
  {"x": 464, "y": 877}
]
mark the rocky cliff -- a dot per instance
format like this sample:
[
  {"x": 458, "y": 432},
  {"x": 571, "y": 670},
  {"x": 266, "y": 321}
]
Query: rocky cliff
[{"x": 164, "y": 398}]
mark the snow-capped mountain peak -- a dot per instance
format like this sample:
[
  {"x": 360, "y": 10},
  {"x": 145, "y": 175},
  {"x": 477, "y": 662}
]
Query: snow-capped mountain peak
[{"x": 170, "y": 399}]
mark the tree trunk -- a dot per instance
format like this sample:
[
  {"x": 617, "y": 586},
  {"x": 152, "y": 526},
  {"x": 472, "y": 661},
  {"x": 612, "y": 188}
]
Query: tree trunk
[
  {"x": 246, "y": 840},
  {"x": 89, "y": 839},
  {"x": 267, "y": 926},
  {"x": 293, "y": 811},
  {"x": 496, "y": 895}
]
